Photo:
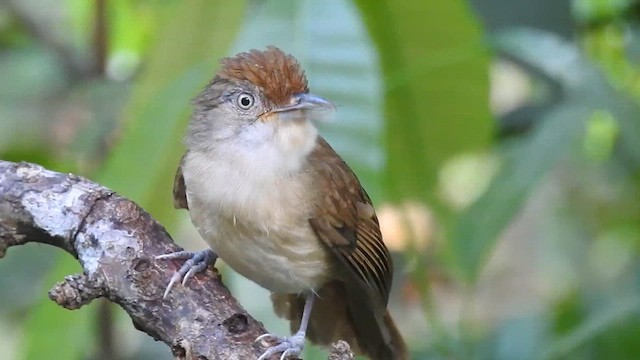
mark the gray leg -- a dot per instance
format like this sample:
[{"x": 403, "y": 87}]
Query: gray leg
[
  {"x": 197, "y": 261},
  {"x": 291, "y": 346}
]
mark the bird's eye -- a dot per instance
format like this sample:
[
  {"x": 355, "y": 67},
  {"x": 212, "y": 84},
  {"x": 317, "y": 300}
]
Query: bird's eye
[{"x": 245, "y": 101}]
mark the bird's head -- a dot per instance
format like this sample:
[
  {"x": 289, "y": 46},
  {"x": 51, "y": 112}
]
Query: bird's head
[{"x": 257, "y": 98}]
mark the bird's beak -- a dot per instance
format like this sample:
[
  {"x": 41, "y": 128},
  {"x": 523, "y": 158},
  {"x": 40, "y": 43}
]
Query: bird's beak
[
  {"x": 307, "y": 102},
  {"x": 304, "y": 106}
]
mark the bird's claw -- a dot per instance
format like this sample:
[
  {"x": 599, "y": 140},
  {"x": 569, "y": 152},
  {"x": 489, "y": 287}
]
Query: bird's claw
[
  {"x": 291, "y": 346},
  {"x": 197, "y": 261}
]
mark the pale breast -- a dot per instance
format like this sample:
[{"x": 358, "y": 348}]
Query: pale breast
[{"x": 257, "y": 221}]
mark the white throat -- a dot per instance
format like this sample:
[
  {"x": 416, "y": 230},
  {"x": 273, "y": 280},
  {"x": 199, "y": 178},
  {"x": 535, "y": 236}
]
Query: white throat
[
  {"x": 252, "y": 166},
  {"x": 271, "y": 149}
]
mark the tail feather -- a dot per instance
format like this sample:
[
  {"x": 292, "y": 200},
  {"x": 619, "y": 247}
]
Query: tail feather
[
  {"x": 369, "y": 332},
  {"x": 397, "y": 343}
]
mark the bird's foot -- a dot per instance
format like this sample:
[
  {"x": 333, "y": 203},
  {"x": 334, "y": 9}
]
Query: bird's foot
[
  {"x": 197, "y": 261},
  {"x": 289, "y": 346}
]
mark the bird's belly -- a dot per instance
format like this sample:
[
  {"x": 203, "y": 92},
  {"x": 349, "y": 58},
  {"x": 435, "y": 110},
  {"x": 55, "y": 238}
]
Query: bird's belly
[
  {"x": 256, "y": 220},
  {"x": 283, "y": 269},
  {"x": 280, "y": 260}
]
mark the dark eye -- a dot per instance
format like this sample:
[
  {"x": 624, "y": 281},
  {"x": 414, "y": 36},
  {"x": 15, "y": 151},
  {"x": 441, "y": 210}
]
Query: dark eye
[{"x": 245, "y": 101}]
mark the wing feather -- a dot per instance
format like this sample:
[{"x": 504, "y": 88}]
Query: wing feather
[
  {"x": 179, "y": 189},
  {"x": 345, "y": 221}
]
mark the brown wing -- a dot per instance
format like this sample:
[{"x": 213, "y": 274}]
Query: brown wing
[
  {"x": 179, "y": 189},
  {"x": 345, "y": 220}
]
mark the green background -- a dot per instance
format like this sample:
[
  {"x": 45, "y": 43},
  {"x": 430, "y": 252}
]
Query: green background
[{"x": 499, "y": 140}]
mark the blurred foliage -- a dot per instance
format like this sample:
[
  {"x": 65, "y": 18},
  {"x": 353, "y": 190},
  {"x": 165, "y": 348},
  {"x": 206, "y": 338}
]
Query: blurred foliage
[{"x": 518, "y": 220}]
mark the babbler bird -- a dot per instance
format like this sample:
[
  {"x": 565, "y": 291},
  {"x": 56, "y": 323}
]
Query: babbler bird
[{"x": 279, "y": 206}]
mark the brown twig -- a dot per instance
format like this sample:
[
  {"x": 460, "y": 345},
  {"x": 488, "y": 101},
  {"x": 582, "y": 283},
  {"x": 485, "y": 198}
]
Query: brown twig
[
  {"x": 116, "y": 242},
  {"x": 100, "y": 38}
]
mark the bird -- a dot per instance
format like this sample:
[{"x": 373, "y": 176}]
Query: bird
[{"x": 273, "y": 200}]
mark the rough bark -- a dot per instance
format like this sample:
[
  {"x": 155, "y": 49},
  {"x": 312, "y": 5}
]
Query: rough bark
[{"x": 116, "y": 242}]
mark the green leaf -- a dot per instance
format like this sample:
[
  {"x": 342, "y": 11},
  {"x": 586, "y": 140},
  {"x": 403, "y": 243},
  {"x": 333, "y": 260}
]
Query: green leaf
[
  {"x": 602, "y": 133},
  {"x": 595, "y": 325},
  {"x": 436, "y": 86},
  {"x": 478, "y": 228},
  {"x": 585, "y": 92}
]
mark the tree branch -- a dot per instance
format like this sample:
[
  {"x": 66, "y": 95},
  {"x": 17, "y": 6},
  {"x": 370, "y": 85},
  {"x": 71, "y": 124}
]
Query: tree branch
[{"x": 116, "y": 242}]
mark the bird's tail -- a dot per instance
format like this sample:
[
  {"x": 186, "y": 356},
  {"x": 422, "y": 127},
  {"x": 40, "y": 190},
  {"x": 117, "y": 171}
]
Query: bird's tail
[
  {"x": 370, "y": 333},
  {"x": 399, "y": 348}
]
